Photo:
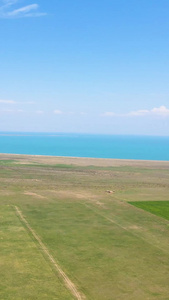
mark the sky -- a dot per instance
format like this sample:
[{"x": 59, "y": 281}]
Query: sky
[{"x": 84, "y": 66}]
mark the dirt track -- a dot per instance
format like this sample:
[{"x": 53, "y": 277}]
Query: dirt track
[{"x": 68, "y": 283}]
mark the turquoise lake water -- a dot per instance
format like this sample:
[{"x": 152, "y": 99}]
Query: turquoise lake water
[{"x": 84, "y": 145}]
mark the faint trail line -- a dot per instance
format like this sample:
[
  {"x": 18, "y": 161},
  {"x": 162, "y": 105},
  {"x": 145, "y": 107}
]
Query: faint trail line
[
  {"x": 126, "y": 229},
  {"x": 69, "y": 284}
]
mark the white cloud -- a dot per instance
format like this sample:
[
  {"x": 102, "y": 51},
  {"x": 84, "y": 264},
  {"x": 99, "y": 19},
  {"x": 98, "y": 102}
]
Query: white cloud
[
  {"x": 8, "y": 10},
  {"x": 161, "y": 111},
  {"x": 7, "y": 101},
  {"x": 40, "y": 112},
  {"x": 58, "y": 112},
  {"x": 15, "y": 102},
  {"x": 109, "y": 114},
  {"x": 24, "y": 9},
  {"x": 141, "y": 112}
]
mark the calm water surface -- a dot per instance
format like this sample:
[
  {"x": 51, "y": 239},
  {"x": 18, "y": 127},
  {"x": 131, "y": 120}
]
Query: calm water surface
[{"x": 83, "y": 145}]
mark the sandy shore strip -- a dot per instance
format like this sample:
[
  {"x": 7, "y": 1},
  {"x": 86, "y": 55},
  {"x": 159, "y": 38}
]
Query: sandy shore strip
[{"x": 81, "y": 161}]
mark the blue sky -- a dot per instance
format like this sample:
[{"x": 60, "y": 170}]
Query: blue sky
[{"x": 85, "y": 66}]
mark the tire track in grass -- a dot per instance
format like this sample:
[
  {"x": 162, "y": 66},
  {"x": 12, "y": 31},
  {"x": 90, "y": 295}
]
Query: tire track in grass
[
  {"x": 125, "y": 228},
  {"x": 68, "y": 283}
]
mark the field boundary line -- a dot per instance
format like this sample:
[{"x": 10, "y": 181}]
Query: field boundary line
[{"x": 68, "y": 283}]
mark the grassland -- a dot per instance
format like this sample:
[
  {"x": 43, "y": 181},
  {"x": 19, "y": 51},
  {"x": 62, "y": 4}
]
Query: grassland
[
  {"x": 110, "y": 249},
  {"x": 159, "y": 208}
]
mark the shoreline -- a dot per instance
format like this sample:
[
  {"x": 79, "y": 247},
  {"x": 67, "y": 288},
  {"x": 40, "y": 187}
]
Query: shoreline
[{"x": 85, "y": 161}]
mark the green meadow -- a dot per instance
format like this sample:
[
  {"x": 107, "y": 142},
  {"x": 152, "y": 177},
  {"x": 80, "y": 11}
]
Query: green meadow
[
  {"x": 159, "y": 208},
  {"x": 104, "y": 223}
]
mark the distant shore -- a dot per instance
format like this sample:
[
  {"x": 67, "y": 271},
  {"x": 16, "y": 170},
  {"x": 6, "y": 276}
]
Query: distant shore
[{"x": 85, "y": 161}]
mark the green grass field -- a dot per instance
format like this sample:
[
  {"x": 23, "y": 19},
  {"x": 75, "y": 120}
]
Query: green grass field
[
  {"x": 158, "y": 208},
  {"x": 108, "y": 248}
]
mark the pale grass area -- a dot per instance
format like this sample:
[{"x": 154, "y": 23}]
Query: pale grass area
[
  {"x": 26, "y": 159},
  {"x": 34, "y": 195}
]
